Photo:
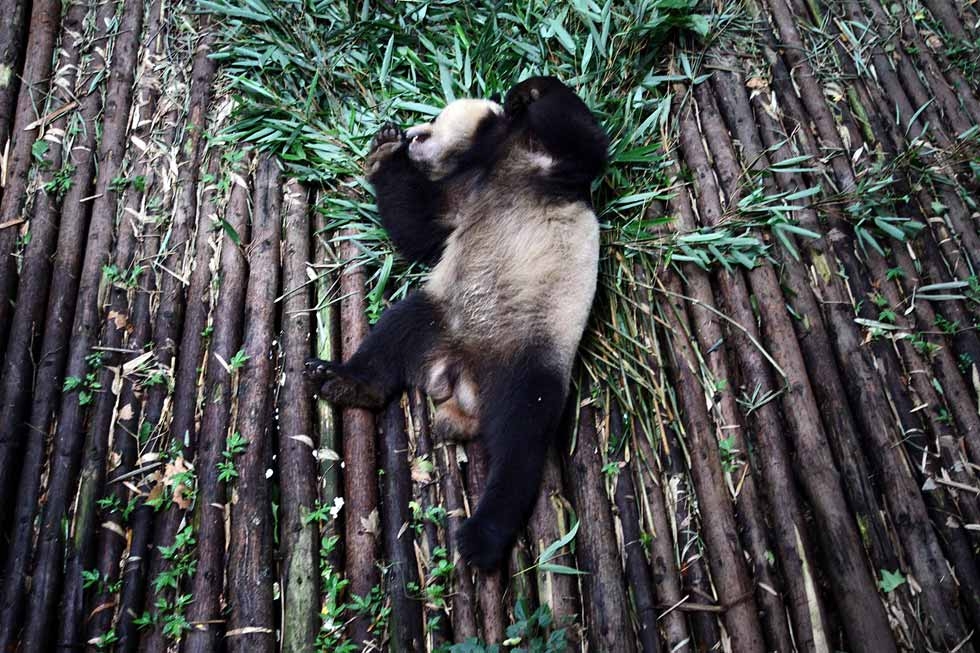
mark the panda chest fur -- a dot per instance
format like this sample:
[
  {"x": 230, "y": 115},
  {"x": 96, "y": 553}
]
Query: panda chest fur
[{"x": 519, "y": 271}]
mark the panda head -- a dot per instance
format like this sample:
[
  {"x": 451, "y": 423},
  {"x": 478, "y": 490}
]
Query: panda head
[{"x": 461, "y": 133}]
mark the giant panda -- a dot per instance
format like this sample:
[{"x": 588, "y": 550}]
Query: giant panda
[{"x": 496, "y": 198}]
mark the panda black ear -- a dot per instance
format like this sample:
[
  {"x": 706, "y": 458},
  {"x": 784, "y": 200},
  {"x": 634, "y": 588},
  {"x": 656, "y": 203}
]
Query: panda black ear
[{"x": 495, "y": 98}]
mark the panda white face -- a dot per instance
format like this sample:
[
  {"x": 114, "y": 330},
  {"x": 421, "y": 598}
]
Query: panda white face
[{"x": 434, "y": 145}]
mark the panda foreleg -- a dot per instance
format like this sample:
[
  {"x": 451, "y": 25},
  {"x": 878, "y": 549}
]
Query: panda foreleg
[
  {"x": 388, "y": 359},
  {"x": 564, "y": 125},
  {"x": 520, "y": 410},
  {"x": 408, "y": 202}
]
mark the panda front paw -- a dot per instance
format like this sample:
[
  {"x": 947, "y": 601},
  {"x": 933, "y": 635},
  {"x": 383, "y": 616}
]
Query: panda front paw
[
  {"x": 481, "y": 543},
  {"x": 389, "y": 139},
  {"x": 389, "y": 133}
]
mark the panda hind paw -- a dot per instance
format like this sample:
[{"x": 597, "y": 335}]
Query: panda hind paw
[{"x": 481, "y": 544}]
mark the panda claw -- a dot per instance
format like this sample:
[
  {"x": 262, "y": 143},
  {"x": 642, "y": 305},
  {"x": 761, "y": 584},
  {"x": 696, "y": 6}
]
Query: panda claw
[
  {"x": 389, "y": 133},
  {"x": 318, "y": 370}
]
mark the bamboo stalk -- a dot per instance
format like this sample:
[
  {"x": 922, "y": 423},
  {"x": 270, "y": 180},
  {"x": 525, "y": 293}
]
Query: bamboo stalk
[
  {"x": 299, "y": 570},
  {"x": 603, "y": 587},
  {"x": 405, "y": 630},
  {"x": 251, "y": 623},
  {"x": 206, "y": 586},
  {"x": 360, "y": 478},
  {"x": 43, "y": 31},
  {"x": 17, "y": 375}
]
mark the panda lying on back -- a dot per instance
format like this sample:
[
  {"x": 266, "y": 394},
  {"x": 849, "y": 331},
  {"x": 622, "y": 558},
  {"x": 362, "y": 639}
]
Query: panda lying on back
[{"x": 497, "y": 200}]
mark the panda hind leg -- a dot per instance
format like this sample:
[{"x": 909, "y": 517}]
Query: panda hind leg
[
  {"x": 521, "y": 409},
  {"x": 388, "y": 359}
]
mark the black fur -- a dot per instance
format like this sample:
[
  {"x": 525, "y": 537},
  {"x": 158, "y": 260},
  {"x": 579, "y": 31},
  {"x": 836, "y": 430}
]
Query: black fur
[
  {"x": 388, "y": 360},
  {"x": 410, "y": 205},
  {"x": 557, "y": 119},
  {"x": 521, "y": 399},
  {"x": 524, "y": 401}
]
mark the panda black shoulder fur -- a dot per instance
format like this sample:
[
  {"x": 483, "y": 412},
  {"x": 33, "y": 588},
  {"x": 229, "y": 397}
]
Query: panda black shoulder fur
[{"x": 496, "y": 198}]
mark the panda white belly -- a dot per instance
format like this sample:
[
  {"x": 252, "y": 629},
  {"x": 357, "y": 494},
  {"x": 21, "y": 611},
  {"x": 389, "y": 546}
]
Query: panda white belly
[{"x": 517, "y": 275}]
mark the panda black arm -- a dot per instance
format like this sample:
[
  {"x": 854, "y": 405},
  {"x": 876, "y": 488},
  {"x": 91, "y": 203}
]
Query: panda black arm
[
  {"x": 408, "y": 202},
  {"x": 563, "y": 124}
]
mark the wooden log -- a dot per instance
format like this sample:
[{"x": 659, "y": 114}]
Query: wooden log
[
  {"x": 11, "y": 58},
  {"x": 405, "y": 629},
  {"x": 489, "y": 585},
  {"x": 117, "y": 321},
  {"x": 703, "y": 625},
  {"x": 43, "y": 31},
  {"x": 438, "y": 626},
  {"x": 906, "y": 507},
  {"x": 663, "y": 556},
  {"x": 549, "y": 522},
  {"x": 169, "y": 326},
  {"x": 462, "y": 605},
  {"x": 902, "y": 497},
  {"x": 251, "y": 622},
  {"x": 60, "y": 310},
  {"x": 820, "y": 479},
  {"x": 638, "y": 575},
  {"x": 603, "y": 588},
  {"x": 327, "y": 347},
  {"x": 360, "y": 478},
  {"x": 115, "y": 528},
  {"x": 22, "y": 348},
  {"x": 68, "y": 438},
  {"x": 730, "y": 424},
  {"x": 811, "y": 332},
  {"x": 298, "y": 545},
  {"x": 789, "y": 534},
  {"x": 207, "y": 585},
  {"x": 951, "y": 18}
]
